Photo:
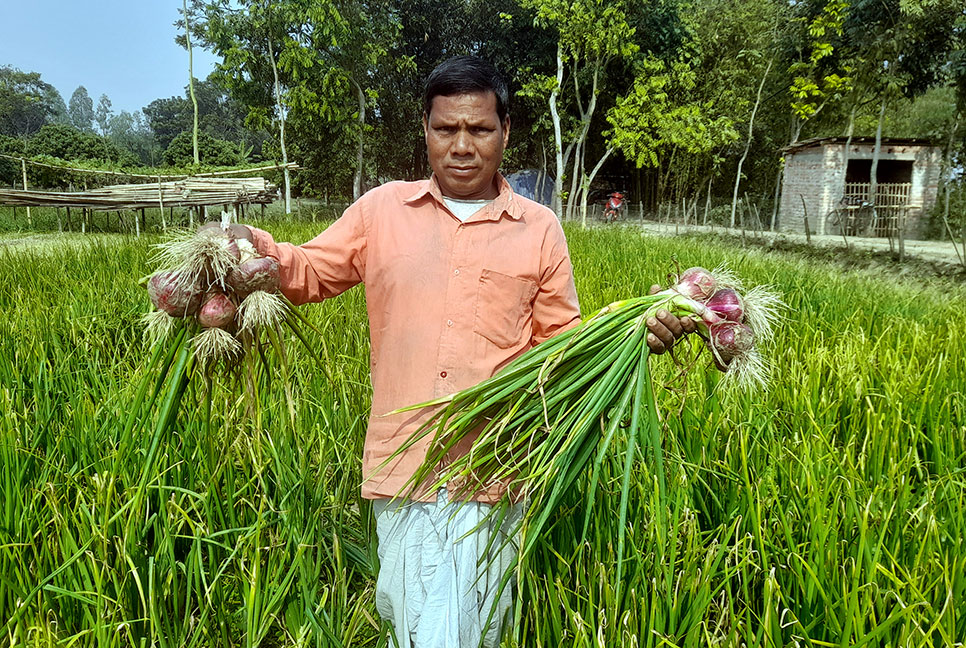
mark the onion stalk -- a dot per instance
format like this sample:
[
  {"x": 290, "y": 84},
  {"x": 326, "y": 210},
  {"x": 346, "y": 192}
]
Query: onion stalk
[{"x": 555, "y": 411}]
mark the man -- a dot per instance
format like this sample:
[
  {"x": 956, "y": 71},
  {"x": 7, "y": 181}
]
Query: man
[{"x": 461, "y": 277}]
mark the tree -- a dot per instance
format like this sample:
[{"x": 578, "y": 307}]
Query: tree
[
  {"x": 168, "y": 118},
  {"x": 219, "y": 114},
  {"x": 309, "y": 62},
  {"x": 81, "y": 110},
  {"x": 10, "y": 170},
  {"x": 71, "y": 145},
  {"x": 910, "y": 50},
  {"x": 655, "y": 119},
  {"x": 211, "y": 151},
  {"x": 27, "y": 103},
  {"x": 103, "y": 114},
  {"x": 816, "y": 82},
  {"x": 132, "y": 132},
  {"x": 590, "y": 34}
]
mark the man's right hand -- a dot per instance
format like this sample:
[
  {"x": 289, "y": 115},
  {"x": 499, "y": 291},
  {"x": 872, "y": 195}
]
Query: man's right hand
[{"x": 235, "y": 230}]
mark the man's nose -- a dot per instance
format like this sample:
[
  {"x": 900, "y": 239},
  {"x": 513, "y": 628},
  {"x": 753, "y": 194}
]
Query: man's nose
[{"x": 462, "y": 145}]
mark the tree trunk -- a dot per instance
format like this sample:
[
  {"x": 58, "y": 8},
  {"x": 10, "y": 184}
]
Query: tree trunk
[
  {"x": 707, "y": 203},
  {"x": 947, "y": 184},
  {"x": 744, "y": 155},
  {"x": 777, "y": 199},
  {"x": 281, "y": 127},
  {"x": 845, "y": 160},
  {"x": 572, "y": 198},
  {"x": 796, "y": 129},
  {"x": 583, "y": 203},
  {"x": 357, "y": 180},
  {"x": 191, "y": 84},
  {"x": 585, "y": 117},
  {"x": 873, "y": 181},
  {"x": 23, "y": 166},
  {"x": 557, "y": 136}
]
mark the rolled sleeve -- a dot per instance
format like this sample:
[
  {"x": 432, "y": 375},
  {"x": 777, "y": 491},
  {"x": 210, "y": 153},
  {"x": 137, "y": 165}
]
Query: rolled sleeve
[
  {"x": 555, "y": 306},
  {"x": 324, "y": 267}
]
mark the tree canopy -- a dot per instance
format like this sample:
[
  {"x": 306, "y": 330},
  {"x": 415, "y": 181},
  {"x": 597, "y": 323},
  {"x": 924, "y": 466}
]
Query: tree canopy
[{"x": 660, "y": 98}]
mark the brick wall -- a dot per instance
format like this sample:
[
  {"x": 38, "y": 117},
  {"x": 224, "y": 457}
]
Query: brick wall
[
  {"x": 816, "y": 175},
  {"x": 804, "y": 180}
]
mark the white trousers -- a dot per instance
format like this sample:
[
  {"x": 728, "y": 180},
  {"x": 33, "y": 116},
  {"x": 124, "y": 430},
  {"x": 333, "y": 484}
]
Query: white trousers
[{"x": 439, "y": 573}]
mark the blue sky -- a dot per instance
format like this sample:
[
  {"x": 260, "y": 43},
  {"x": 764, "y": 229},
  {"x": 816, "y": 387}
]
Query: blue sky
[{"x": 125, "y": 50}]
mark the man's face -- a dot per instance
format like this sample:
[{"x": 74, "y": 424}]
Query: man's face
[{"x": 465, "y": 140}]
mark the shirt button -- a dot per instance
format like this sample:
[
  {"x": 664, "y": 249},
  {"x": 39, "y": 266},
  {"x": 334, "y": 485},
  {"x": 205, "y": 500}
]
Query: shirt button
[
  {"x": 442, "y": 374},
  {"x": 449, "y": 322},
  {"x": 456, "y": 272}
]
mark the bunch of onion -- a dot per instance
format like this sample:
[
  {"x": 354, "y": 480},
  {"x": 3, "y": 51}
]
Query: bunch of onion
[
  {"x": 555, "y": 411},
  {"x": 218, "y": 287},
  {"x": 215, "y": 302}
]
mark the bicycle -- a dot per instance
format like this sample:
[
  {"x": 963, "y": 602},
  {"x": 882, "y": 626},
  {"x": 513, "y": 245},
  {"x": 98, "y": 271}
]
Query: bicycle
[{"x": 852, "y": 217}]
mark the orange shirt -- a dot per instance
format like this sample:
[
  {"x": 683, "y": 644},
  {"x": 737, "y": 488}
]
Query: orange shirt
[{"x": 449, "y": 303}]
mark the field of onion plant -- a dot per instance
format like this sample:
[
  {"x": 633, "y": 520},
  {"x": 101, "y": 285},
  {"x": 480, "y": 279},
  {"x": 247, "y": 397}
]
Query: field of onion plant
[{"x": 828, "y": 509}]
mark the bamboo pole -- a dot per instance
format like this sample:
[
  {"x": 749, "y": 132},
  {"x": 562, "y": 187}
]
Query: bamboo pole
[
  {"x": 164, "y": 224},
  {"x": 808, "y": 233},
  {"x": 902, "y": 234},
  {"x": 23, "y": 166},
  {"x": 292, "y": 166},
  {"x": 189, "y": 192},
  {"x": 191, "y": 83}
]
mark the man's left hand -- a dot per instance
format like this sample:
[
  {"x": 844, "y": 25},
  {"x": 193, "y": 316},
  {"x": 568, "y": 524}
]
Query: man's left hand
[{"x": 665, "y": 329}]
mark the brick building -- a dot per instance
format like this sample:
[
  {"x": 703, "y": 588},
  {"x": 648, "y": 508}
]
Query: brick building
[{"x": 837, "y": 197}]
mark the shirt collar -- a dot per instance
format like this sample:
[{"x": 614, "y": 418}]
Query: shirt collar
[{"x": 504, "y": 203}]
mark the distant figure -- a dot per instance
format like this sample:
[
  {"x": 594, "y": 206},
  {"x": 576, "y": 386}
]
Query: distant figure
[{"x": 614, "y": 207}]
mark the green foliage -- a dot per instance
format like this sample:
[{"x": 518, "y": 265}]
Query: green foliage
[
  {"x": 60, "y": 142},
  {"x": 655, "y": 117},
  {"x": 81, "y": 110},
  {"x": 103, "y": 114},
  {"x": 219, "y": 115},
  {"x": 812, "y": 88},
  {"x": 27, "y": 103},
  {"x": 68, "y": 143},
  {"x": 827, "y": 58},
  {"x": 211, "y": 151},
  {"x": 587, "y": 29},
  {"x": 132, "y": 132},
  {"x": 10, "y": 171},
  {"x": 929, "y": 116}
]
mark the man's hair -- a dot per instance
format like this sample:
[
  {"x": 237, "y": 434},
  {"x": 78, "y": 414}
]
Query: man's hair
[{"x": 464, "y": 75}]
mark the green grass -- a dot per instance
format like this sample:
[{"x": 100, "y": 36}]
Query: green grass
[{"x": 828, "y": 510}]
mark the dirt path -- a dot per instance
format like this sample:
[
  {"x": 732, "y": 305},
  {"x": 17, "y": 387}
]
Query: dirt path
[{"x": 931, "y": 251}]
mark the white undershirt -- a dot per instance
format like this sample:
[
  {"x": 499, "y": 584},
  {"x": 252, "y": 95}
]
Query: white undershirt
[{"x": 463, "y": 209}]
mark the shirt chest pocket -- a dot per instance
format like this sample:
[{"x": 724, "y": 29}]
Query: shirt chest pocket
[{"x": 503, "y": 305}]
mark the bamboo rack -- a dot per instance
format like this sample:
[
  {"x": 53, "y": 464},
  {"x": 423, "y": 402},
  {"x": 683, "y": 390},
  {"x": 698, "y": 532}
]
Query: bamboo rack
[{"x": 190, "y": 192}]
